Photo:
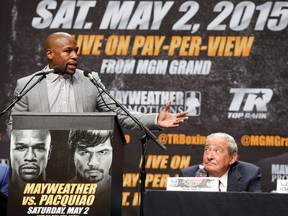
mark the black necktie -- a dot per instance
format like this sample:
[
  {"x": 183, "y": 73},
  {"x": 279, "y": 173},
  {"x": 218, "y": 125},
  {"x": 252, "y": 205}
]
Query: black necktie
[{"x": 219, "y": 185}]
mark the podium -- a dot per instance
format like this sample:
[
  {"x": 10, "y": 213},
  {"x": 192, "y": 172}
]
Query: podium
[{"x": 57, "y": 194}]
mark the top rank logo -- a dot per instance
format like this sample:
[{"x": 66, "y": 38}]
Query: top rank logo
[
  {"x": 249, "y": 103},
  {"x": 154, "y": 101}
]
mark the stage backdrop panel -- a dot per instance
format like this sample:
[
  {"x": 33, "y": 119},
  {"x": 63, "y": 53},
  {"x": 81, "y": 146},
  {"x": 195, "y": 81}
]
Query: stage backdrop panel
[{"x": 224, "y": 61}]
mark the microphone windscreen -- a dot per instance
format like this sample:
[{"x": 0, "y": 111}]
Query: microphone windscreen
[
  {"x": 87, "y": 72},
  {"x": 57, "y": 69}
]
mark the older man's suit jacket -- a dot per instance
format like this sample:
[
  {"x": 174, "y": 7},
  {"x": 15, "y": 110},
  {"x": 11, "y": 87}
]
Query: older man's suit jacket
[
  {"x": 242, "y": 176},
  {"x": 87, "y": 99}
]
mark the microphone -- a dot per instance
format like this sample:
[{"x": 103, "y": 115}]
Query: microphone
[
  {"x": 56, "y": 70},
  {"x": 88, "y": 73}
]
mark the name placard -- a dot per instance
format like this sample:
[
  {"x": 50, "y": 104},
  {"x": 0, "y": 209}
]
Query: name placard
[
  {"x": 192, "y": 184},
  {"x": 282, "y": 186}
]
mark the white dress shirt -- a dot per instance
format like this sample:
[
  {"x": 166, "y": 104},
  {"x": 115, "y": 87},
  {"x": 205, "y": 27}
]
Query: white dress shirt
[
  {"x": 60, "y": 93},
  {"x": 224, "y": 182}
]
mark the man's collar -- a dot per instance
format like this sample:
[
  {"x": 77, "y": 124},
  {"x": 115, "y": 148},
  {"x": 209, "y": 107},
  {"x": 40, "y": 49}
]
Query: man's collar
[{"x": 52, "y": 77}]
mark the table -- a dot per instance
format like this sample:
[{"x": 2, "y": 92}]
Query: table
[{"x": 179, "y": 203}]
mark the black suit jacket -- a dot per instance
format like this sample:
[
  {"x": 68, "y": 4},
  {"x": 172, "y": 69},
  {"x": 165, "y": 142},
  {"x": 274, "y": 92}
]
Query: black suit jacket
[{"x": 242, "y": 176}]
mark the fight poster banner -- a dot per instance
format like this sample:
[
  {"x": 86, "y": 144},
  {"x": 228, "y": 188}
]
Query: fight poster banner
[{"x": 61, "y": 168}]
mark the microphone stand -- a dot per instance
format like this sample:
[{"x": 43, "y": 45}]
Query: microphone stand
[
  {"x": 19, "y": 96},
  {"x": 147, "y": 134}
]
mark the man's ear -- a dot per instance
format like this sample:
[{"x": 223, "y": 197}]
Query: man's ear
[
  {"x": 233, "y": 158},
  {"x": 49, "y": 54},
  {"x": 50, "y": 150}
]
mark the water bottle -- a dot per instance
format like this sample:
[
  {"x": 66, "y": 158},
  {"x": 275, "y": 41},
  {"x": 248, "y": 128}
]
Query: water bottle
[{"x": 201, "y": 172}]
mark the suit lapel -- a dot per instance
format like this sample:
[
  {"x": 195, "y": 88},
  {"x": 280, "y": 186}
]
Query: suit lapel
[
  {"x": 233, "y": 180},
  {"x": 78, "y": 92},
  {"x": 43, "y": 96}
]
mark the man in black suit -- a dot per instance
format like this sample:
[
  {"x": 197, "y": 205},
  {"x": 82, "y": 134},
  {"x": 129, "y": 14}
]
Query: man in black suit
[{"x": 220, "y": 160}]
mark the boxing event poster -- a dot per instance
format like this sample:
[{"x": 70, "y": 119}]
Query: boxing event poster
[
  {"x": 65, "y": 169},
  {"x": 57, "y": 193}
]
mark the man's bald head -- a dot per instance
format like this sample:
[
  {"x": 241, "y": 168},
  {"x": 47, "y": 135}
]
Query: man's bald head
[
  {"x": 61, "y": 50},
  {"x": 52, "y": 39}
]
